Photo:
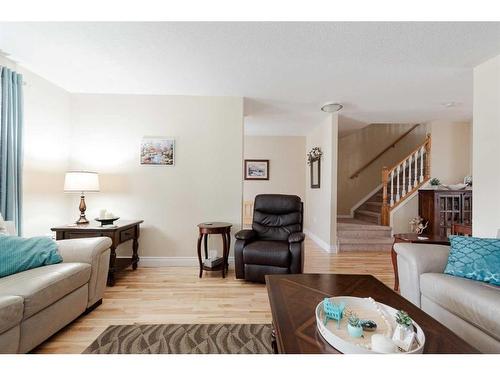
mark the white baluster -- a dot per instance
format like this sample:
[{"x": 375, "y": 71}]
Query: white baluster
[
  {"x": 415, "y": 182},
  {"x": 422, "y": 150},
  {"x": 392, "y": 188},
  {"x": 397, "y": 183},
  {"x": 403, "y": 192},
  {"x": 409, "y": 175}
]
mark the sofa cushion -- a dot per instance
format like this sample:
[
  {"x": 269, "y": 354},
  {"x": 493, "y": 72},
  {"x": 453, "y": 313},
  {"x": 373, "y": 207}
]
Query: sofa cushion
[
  {"x": 41, "y": 287},
  {"x": 268, "y": 253},
  {"x": 475, "y": 302},
  {"x": 11, "y": 312}
]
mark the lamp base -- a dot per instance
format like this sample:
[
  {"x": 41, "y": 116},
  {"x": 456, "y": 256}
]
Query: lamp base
[
  {"x": 82, "y": 207},
  {"x": 82, "y": 220}
]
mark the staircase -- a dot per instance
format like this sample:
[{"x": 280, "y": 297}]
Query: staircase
[
  {"x": 358, "y": 235},
  {"x": 369, "y": 229}
]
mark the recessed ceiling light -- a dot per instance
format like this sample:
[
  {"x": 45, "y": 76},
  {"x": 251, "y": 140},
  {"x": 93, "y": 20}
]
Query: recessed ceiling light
[
  {"x": 331, "y": 107},
  {"x": 450, "y": 104}
]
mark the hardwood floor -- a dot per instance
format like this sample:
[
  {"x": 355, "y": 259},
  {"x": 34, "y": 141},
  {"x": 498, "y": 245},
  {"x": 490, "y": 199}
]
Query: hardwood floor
[{"x": 177, "y": 295}]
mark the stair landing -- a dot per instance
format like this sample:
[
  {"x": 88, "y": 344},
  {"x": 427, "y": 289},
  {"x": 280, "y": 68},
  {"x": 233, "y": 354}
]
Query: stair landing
[{"x": 359, "y": 235}]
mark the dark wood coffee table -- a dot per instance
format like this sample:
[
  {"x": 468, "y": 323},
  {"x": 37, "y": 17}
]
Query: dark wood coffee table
[{"x": 294, "y": 298}]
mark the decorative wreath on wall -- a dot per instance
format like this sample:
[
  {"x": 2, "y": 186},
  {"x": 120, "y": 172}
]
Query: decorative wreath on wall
[{"x": 314, "y": 154}]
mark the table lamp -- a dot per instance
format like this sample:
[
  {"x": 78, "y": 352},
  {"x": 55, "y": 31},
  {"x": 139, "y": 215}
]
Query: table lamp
[{"x": 81, "y": 182}]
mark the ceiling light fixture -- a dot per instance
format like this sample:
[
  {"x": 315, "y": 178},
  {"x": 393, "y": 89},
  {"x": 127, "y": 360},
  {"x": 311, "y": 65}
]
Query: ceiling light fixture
[
  {"x": 450, "y": 104},
  {"x": 331, "y": 107}
]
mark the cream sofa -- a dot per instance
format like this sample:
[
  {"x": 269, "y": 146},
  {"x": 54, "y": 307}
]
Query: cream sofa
[
  {"x": 469, "y": 308},
  {"x": 37, "y": 303}
]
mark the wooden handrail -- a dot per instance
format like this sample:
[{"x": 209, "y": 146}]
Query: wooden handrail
[
  {"x": 425, "y": 144},
  {"x": 356, "y": 174}
]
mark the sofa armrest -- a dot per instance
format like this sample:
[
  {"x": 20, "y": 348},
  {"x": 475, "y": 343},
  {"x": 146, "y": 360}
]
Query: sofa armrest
[
  {"x": 296, "y": 237},
  {"x": 245, "y": 235},
  {"x": 93, "y": 251},
  {"x": 415, "y": 260}
]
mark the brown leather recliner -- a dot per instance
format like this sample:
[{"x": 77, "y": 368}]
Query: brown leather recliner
[{"x": 275, "y": 244}]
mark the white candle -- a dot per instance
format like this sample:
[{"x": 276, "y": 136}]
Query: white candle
[
  {"x": 109, "y": 215},
  {"x": 102, "y": 213}
]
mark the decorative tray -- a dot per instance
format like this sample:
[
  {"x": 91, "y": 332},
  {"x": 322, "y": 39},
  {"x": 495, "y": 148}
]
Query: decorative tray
[{"x": 367, "y": 308}]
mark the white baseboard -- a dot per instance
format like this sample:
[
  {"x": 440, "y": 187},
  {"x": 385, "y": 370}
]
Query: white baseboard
[
  {"x": 151, "y": 262},
  {"x": 345, "y": 216},
  {"x": 324, "y": 245}
]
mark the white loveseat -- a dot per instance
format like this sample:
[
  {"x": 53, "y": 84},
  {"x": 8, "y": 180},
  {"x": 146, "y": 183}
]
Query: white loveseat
[{"x": 469, "y": 308}]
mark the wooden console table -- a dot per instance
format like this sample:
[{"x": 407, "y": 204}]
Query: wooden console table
[
  {"x": 413, "y": 238},
  {"x": 124, "y": 230}
]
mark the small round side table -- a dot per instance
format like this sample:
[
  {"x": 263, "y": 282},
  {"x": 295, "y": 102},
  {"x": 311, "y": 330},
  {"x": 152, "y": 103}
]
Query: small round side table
[{"x": 205, "y": 230}]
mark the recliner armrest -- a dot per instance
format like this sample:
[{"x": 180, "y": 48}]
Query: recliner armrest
[
  {"x": 296, "y": 237},
  {"x": 245, "y": 235}
]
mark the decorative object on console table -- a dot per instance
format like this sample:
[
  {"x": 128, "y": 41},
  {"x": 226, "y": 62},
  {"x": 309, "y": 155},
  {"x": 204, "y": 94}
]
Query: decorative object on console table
[
  {"x": 205, "y": 229},
  {"x": 81, "y": 182},
  {"x": 256, "y": 169},
  {"x": 123, "y": 231},
  {"x": 413, "y": 238},
  {"x": 106, "y": 218},
  {"x": 443, "y": 208},
  {"x": 314, "y": 161}
]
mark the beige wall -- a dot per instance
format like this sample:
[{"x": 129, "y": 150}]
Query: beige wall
[
  {"x": 287, "y": 162},
  {"x": 46, "y": 152},
  {"x": 356, "y": 149},
  {"x": 486, "y": 183},
  {"x": 451, "y": 161},
  {"x": 321, "y": 204},
  {"x": 204, "y": 185},
  {"x": 451, "y": 151}
]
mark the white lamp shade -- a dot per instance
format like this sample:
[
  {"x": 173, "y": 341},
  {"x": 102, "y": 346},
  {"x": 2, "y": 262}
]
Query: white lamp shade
[{"x": 81, "y": 181}]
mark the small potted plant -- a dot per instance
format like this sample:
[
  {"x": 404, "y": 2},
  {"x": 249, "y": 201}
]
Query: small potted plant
[
  {"x": 354, "y": 327},
  {"x": 434, "y": 183},
  {"x": 403, "y": 336}
]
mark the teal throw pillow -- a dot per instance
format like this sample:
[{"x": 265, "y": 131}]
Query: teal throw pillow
[
  {"x": 19, "y": 254},
  {"x": 475, "y": 258}
]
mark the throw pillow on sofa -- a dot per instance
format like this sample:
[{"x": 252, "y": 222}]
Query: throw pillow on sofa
[
  {"x": 19, "y": 254},
  {"x": 475, "y": 258}
]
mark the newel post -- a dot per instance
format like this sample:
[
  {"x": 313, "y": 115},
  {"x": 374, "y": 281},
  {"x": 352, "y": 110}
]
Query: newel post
[
  {"x": 427, "y": 171},
  {"x": 385, "y": 204}
]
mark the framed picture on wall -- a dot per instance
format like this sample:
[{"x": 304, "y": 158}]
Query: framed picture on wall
[
  {"x": 256, "y": 169},
  {"x": 315, "y": 173},
  {"x": 158, "y": 151}
]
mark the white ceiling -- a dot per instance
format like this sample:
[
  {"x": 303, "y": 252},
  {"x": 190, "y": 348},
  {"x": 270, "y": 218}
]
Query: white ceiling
[{"x": 381, "y": 72}]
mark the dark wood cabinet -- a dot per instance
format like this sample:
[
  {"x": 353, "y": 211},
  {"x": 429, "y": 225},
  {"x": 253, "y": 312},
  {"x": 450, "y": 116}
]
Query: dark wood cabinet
[{"x": 443, "y": 208}]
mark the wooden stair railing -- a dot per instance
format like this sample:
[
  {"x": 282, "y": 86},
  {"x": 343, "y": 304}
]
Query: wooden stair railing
[
  {"x": 393, "y": 144},
  {"x": 419, "y": 171}
]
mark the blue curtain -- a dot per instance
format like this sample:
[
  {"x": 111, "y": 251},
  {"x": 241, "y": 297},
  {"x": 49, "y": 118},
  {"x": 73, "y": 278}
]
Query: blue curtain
[{"x": 11, "y": 129}]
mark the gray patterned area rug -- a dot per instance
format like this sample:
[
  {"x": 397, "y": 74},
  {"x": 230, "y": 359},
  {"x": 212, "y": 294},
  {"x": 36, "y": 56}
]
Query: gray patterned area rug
[{"x": 184, "y": 339}]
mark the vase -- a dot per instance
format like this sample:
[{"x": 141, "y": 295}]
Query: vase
[{"x": 355, "y": 331}]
